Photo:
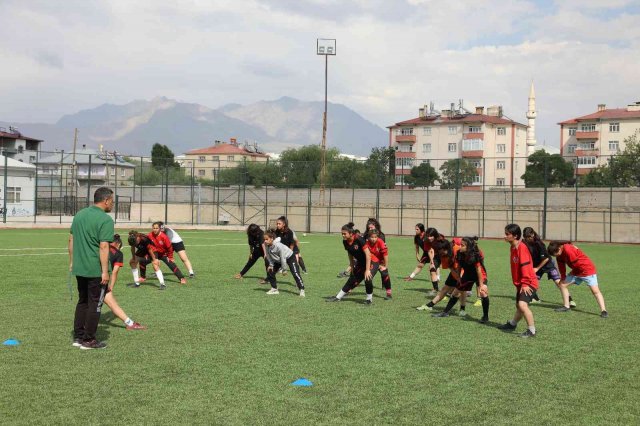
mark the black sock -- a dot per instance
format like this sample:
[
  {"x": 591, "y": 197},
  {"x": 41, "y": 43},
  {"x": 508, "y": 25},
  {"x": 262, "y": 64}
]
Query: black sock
[
  {"x": 462, "y": 307},
  {"x": 570, "y": 298},
  {"x": 485, "y": 306},
  {"x": 431, "y": 304},
  {"x": 301, "y": 263},
  {"x": 435, "y": 285},
  {"x": 451, "y": 304}
]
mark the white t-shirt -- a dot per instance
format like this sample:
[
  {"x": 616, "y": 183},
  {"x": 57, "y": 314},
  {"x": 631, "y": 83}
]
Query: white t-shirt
[{"x": 173, "y": 235}]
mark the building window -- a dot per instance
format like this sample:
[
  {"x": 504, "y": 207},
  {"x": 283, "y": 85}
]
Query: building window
[
  {"x": 453, "y": 130},
  {"x": 123, "y": 172},
  {"x": 404, "y": 163},
  {"x": 406, "y": 131},
  {"x": 614, "y": 127},
  {"x": 587, "y": 145},
  {"x": 426, "y": 161},
  {"x": 500, "y": 181},
  {"x": 475, "y": 129},
  {"x": 572, "y": 131},
  {"x": 13, "y": 194},
  {"x": 426, "y": 148},
  {"x": 586, "y": 161},
  {"x": 403, "y": 147},
  {"x": 20, "y": 149},
  {"x": 501, "y": 147},
  {"x": 588, "y": 127},
  {"x": 476, "y": 163},
  {"x": 453, "y": 147},
  {"x": 477, "y": 179},
  {"x": 113, "y": 171},
  {"x": 201, "y": 159},
  {"x": 399, "y": 179},
  {"x": 230, "y": 158},
  {"x": 426, "y": 131},
  {"x": 215, "y": 158},
  {"x": 614, "y": 146},
  {"x": 32, "y": 158},
  {"x": 501, "y": 165},
  {"x": 201, "y": 172},
  {"x": 472, "y": 145},
  {"x": 502, "y": 131},
  {"x": 571, "y": 149}
]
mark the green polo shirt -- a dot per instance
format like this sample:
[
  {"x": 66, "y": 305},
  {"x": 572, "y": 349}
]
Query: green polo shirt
[{"x": 89, "y": 228}]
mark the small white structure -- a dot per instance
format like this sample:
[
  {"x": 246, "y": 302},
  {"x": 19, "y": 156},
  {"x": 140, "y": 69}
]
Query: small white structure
[
  {"x": 19, "y": 197},
  {"x": 531, "y": 117}
]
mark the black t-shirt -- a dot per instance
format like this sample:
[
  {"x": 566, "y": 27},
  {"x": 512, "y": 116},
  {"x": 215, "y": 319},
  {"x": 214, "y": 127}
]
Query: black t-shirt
[
  {"x": 142, "y": 248},
  {"x": 255, "y": 241},
  {"x": 115, "y": 257},
  {"x": 538, "y": 254},
  {"x": 417, "y": 240},
  {"x": 286, "y": 237},
  {"x": 469, "y": 266},
  {"x": 356, "y": 249}
]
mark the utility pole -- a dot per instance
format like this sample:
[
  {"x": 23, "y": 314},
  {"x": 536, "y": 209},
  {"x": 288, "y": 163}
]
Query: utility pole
[
  {"x": 74, "y": 173},
  {"x": 325, "y": 47}
]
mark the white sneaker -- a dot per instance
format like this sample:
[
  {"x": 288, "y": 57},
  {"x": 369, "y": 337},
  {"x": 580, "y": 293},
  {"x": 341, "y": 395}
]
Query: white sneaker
[
  {"x": 572, "y": 304},
  {"x": 424, "y": 307},
  {"x": 273, "y": 291},
  {"x": 462, "y": 313},
  {"x": 301, "y": 293}
]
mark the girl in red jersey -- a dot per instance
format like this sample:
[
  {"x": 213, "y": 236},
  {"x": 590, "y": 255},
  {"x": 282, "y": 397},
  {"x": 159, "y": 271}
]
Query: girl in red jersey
[
  {"x": 380, "y": 255},
  {"x": 582, "y": 271},
  {"x": 143, "y": 253},
  {"x": 446, "y": 252},
  {"x": 470, "y": 269},
  {"x": 431, "y": 235},
  {"x": 164, "y": 250},
  {"x": 524, "y": 279}
]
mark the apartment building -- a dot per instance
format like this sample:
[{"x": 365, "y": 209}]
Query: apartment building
[
  {"x": 591, "y": 140},
  {"x": 496, "y": 145},
  {"x": 17, "y": 146},
  {"x": 205, "y": 162}
]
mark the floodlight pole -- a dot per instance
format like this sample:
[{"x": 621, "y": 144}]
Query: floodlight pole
[{"x": 323, "y": 145}]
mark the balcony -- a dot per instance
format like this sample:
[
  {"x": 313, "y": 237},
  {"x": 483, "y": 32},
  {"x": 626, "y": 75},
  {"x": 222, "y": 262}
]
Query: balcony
[
  {"x": 400, "y": 154},
  {"x": 406, "y": 138},
  {"x": 403, "y": 171},
  {"x": 587, "y": 135},
  {"x": 467, "y": 136},
  {"x": 475, "y": 153},
  {"x": 587, "y": 152}
]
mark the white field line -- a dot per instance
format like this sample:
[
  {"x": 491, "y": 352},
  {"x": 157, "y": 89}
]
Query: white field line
[
  {"x": 63, "y": 248},
  {"x": 32, "y": 248},
  {"x": 33, "y": 254}
]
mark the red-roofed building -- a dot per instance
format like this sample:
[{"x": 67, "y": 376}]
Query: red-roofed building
[
  {"x": 15, "y": 145},
  {"x": 205, "y": 162},
  {"x": 591, "y": 140},
  {"x": 495, "y": 144}
]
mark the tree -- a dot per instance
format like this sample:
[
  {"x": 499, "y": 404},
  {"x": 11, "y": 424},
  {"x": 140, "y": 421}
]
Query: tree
[
  {"x": 423, "y": 175},
  {"x": 457, "y": 173},
  {"x": 558, "y": 171},
  {"x": 302, "y": 166},
  {"x": 162, "y": 157},
  {"x": 381, "y": 167}
]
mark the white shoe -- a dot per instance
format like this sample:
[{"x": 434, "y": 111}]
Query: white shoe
[
  {"x": 462, "y": 313},
  {"x": 424, "y": 307},
  {"x": 572, "y": 304},
  {"x": 273, "y": 291},
  {"x": 301, "y": 293}
]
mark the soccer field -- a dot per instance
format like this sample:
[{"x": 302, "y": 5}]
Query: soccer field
[{"x": 220, "y": 351}]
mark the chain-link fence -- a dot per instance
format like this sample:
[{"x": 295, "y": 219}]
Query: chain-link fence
[{"x": 457, "y": 196}]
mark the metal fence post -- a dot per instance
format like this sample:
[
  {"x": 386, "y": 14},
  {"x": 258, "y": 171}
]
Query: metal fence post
[
  {"x": 4, "y": 189},
  {"x": 544, "y": 201},
  {"x": 512, "y": 170},
  {"x": 401, "y": 194},
  {"x": 611, "y": 201},
  {"x": 329, "y": 212},
  {"x": 62, "y": 180},
  {"x": 141, "y": 186},
  {"x": 575, "y": 236},
  {"x": 457, "y": 184},
  {"x": 191, "y": 184},
  {"x": 286, "y": 200},
  {"x": 484, "y": 190},
  {"x": 309, "y": 209},
  {"x": 353, "y": 196},
  {"x": 166, "y": 192},
  {"x": 35, "y": 197}
]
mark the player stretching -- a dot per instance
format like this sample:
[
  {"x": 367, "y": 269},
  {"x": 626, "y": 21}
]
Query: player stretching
[
  {"x": 447, "y": 252},
  {"x": 362, "y": 268},
  {"x": 164, "y": 250},
  {"x": 524, "y": 278},
  {"x": 257, "y": 250},
  {"x": 380, "y": 255},
  {"x": 431, "y": 235},
  {"x": 178, "y": 247},
  {"x": 288, "y": 238},
  {"x": 582, "y": 271},
  {"x": 277, "y": 255}
]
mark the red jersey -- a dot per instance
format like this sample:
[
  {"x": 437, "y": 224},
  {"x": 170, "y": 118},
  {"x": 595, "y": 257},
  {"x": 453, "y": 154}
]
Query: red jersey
[
  {"x": 522, "y": 267},
  {"x": 378, "y": 250},
  {"x": 580, "y": 264},
  {"x": 447, "y": 262},
  {"x": 161, "y": 244}
]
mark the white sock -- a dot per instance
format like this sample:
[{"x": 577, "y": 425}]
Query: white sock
[
  {"x": 160, "y": 276},
  {"x": 532, "y": 328},
  {"x": 136, "y": 275},
  {"x": 412, "y": 275},
  {"x": 341, "y": 294},
  {"x": 128, "y": 321},
  {"x": 190, "y": 271},
  {"x": 370, "y": 296}
]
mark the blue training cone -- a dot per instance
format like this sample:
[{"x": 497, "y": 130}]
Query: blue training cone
[
  {"x": 11, "y": 342},
  {"x": 302, "y": 382}
]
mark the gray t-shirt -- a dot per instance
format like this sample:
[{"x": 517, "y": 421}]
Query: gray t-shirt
[{"x": 278, "y": 253}]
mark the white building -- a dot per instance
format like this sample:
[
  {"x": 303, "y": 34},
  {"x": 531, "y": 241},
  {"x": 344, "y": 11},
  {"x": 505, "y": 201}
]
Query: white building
[{"x": 19, "y": 198}]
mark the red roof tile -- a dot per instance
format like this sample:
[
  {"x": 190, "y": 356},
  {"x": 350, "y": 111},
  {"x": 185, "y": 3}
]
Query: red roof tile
[
  {"x": 469, "y": 118},
  {"x": 224, "y": 149},
  {"x": 17, "y": 136},
  {"x": 607, "y": 114}
]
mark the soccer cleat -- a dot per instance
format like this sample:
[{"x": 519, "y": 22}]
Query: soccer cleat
[
  {"x": 183, "y": 280},
  {"x": 462, "y": 313},
  {"x": 441, "y": 315},
  {"x": 76, "y": 343},
  {"x": 484, "y": 320},
  {"x": 332, "y": 299},
  {"x": 562, "y": 309},
  {"x": 136, "y": 326},
  {"x": 604, "y": 314},
  {"x": 526, "y": 334},
  {"x": 572, "y": 304},
  {"x": 283, "y": 272},
  {"x": 536, "y": 301},
  {"x": 192, "y": 275},
  {"x": 162, "y": 287},
  {"x": 141, "y": 279},
  {"x": 301, "y": 293},
  {"x": 367, "y": 302},
  {"x": 507, "y": 327},
  {"x": 478, "y": 302},
  {"x": 136, "y": 285},
  {"x": 262, "y": 281},
  {"x": 92, "y": 344},
  {"x": 424, "y": 307},
  {"x": 273, "y": 291}
]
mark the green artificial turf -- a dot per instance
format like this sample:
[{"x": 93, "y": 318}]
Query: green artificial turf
[{"x": 220, "y": 351}]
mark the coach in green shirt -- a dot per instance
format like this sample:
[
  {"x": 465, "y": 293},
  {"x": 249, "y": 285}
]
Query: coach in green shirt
[{"x": 91, "y": 232}]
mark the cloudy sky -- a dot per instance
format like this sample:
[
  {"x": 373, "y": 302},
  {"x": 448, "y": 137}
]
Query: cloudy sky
[{"x": 59, "y": 57}]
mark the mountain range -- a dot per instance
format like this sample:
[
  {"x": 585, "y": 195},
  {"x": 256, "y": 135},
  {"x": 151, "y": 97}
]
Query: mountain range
[{"x": 133, "y": 128}]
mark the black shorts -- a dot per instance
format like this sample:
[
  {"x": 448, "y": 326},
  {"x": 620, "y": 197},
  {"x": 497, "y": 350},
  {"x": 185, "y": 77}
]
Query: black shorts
[
  {"x": 465, "y": 285},
  {"x": 525, "y": 298},
  {"x": 178, "y": 246},
  {"x": 451, "y": 282}
]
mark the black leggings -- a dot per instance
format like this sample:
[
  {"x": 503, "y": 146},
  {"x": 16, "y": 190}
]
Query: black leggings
[
  {"x": 255, "y": 255},
  {"x": 147, "y": 260},
  {"x": 357, "y": 275},
  {"x": 293, "y": 267}
]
